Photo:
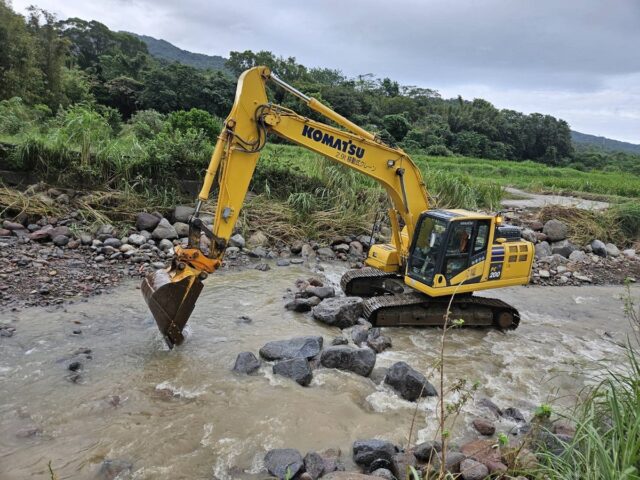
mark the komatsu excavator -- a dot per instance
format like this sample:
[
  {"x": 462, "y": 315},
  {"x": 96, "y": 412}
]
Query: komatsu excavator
[{"x": 435, "y": 259}]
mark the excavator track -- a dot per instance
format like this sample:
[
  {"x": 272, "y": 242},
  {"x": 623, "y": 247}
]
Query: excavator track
[
  {"x": 417, "y": 309},
  {"x": 369, "y": 281}
]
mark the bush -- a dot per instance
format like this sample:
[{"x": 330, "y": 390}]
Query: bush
[
  {"x": 198, "y": 120},
  {"x": 145, "y": 124},
  {"x": 439, "y": 151},
  {"x": 175, "y": 155}
]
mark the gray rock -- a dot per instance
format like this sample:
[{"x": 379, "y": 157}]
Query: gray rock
[
  {"x": 401, "y": 462},
  {"x": 182, "y": 213},
  {"x": 182, "y": 229},
  {"x": 555, "y": 230},
  {"x": 112, "y": 242},
  {"x": 283, "y": 462},
  {"x": 339, "y": 340},
  {"x": 341, "y": 248},
  {"x": 147, "y": 221},
  {"x": 599, "y": 248},
  {"x": 258, "y": 252},
  {"x": 60, "y": 240},
  {"x": 529, "y": 235},
  {"x": 325, "y": 252},
  {"x": 339, "y": 312},
  {"x": 356, "y": 249},
  {"x": 582, "y": 277},
  {"x": 342, "y": 357},
  {"x": 367, "y": 241},
  {"x": 629, "y": 253},
  {"x": 359, "y": 334},
  {"x": 320, "y": 292},
  {"x": 408, "y": 382},
  {"x": 137, "y": 239},
  {"x": 452, "y": 461},
  {"x": 283, "y": 262},
  {"x": 263, "y": 267},
  {"x": 298, "y": 347},
  {"x": 307, "y": 251},
  {"x": 164, "y": 231},
  {"x": 543, "y": 249},
  {"x": 544, "y": 273},
  {"x": 246, "y": 362},
  {"x": 378, "y": 342},
  {"x": 365, "y": 452},
  {"x": 86, "y": 239},
  {"x": 514, "y": 414},
  {"x": 314, "y": 465},
  {"x": 612, "y": 250},
  {"x": 297, "y": 369},
  {"x": 40, "y": 234},
  {"x": 383, "y": 473},
  {"x": 165, "y": 245},
  {"x": 490, "y": 405},
  {"x": 473, "y": 470},
  {"x": 237, "y": 241},
  {"x": 257, "y": 239},
  {"x": 563, "y": 247},
  {"x": 299, "y": 305},
  {"x": 427, "y": 450},
  {"x": 579, "y": 256},
  {"x": 106, "y": 229},
  {"x": 61, "y": 230}
]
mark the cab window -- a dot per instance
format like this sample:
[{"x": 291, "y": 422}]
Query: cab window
[
  {"x": 458, "y": 248},
  {"x": 425, "y": 256},
  {"x": 482, "y": 237}
]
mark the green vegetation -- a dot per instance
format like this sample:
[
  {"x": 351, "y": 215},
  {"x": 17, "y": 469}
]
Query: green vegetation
[{"x": 166, "y": 51}]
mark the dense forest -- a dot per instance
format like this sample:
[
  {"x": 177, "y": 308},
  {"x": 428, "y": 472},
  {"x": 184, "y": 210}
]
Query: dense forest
[{"x": 51, "y": 68}]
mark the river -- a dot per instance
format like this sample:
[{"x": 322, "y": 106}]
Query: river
[{"x": 184, "y": 414}]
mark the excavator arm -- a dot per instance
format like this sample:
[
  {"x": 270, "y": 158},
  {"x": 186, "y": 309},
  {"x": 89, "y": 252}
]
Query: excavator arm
[{"x": 171, "y": 294}]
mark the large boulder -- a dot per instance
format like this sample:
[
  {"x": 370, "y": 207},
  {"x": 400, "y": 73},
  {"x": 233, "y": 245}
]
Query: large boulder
[
  {"x": 314, "y": 465},
  {"x": 257, "y": 239},
  {"x": 543, "y": 249},
  {"x": 426, "y": 451},
  {"x": 283, "y": 462},
  {"x": 555, "y": 230},
  {"x": 182, "y": 213},
  {"x": 237, "y": 240},
  {"x": 579, "y": 256},
  {"x": 246, "y": 362},
  {"x": 563, "y": 247},
  {"x": 297, "y": 369},
  {"x": 612, "y": 250},
  {"x": 147, "y": 221},
  {"x": 342, "y": 312},
  {"x": 298, "y": 347},
  {"x": 343, "y": 357},
  {"x": 473, "y": 470},
  {"x": 365, "y": 452},
  {"x": 408, "y": 382},
  {"x": 41, "y": 234},
  {"x": 599, "y": 248},
  {"x": 320, "y": 292},
  {"x": 164, "y": 231},
  {"x": 182, "y": 229}
]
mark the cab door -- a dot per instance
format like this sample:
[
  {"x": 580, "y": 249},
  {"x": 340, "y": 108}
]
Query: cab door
[{"x": 459, "y": 246}]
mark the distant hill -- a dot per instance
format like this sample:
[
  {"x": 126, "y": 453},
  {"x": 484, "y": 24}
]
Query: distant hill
[
  {"x": 167, "y": 51},
  {"x": 585, "y": 140}
]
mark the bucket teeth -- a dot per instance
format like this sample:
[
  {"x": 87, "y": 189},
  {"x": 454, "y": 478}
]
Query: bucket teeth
[{"x": 171, "y": 301}]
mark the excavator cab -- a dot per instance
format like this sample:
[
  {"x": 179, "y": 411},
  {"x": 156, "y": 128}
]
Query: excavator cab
[{"x": 459, "y": 249}]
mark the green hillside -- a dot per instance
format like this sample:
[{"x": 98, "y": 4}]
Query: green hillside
[
  {"x": 586, "y": 141},
  {"x": 167, "y": 51}
]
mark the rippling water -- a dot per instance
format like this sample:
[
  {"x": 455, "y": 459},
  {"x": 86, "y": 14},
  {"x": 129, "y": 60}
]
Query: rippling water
[{"x": 184, "y": 414}]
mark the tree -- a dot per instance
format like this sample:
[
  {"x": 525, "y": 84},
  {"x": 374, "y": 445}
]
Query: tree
[
  {"x": 397, "y": 126},
  {"x": 198, "y": 120}
]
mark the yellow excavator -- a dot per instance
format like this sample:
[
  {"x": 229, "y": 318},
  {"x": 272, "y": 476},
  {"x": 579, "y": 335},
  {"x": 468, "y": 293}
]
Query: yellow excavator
[{"x": 435, "y": 258}]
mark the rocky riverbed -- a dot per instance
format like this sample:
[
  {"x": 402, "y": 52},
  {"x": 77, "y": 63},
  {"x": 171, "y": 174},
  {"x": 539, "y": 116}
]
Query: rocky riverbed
[
  {"x": 91, "y": 387},
  {"x": 49, "y": 261}
]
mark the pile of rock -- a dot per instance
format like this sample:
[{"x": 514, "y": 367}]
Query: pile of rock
[
  {"x": 559, "y": 261},
  {"x": 288, "y": 463}
]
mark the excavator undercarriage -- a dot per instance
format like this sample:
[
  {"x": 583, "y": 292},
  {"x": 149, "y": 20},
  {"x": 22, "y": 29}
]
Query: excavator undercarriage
[{"x": 388, "y": 303}]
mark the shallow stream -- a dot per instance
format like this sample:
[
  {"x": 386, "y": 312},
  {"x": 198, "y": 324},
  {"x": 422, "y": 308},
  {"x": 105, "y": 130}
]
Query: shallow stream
[{"x": 184, "y": 414}]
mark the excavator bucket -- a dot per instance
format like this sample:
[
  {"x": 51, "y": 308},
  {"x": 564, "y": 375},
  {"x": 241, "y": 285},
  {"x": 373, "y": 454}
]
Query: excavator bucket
[{"x": 171, "y": 298}]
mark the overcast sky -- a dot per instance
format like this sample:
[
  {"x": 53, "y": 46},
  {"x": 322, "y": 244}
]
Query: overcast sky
[{"x": 576, "y": 59}]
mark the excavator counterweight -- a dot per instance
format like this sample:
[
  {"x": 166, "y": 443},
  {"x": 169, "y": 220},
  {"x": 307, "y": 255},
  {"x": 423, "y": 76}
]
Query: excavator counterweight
[{"x": 436, "y": 259}]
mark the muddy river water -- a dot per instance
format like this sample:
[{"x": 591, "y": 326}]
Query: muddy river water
[{"x": 183, "y": 413}]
